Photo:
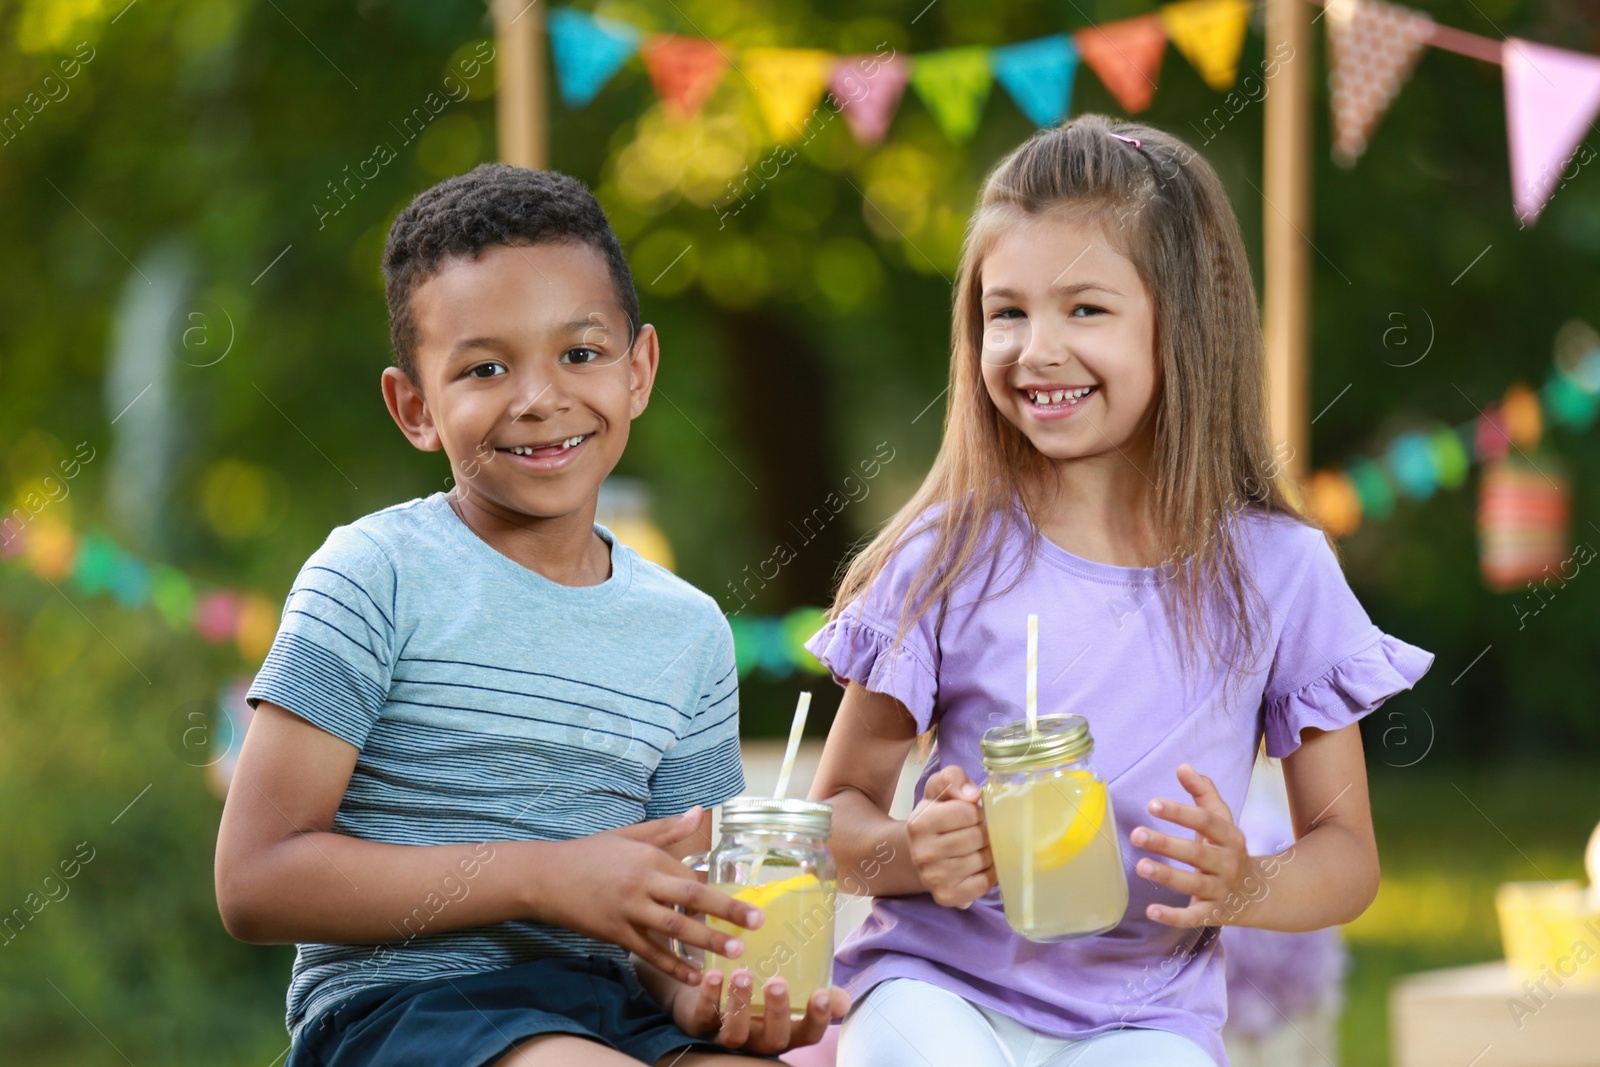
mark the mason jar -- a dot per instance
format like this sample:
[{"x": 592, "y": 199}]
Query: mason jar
[
  {"x": 774, "y": 854},
  {"x": 1053, "y": 835}
]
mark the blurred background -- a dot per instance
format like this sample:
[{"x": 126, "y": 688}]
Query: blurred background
[{"x": 192, "y": 329}]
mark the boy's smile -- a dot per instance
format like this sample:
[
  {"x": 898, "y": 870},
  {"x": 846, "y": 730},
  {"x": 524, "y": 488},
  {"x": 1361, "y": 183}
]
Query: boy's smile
[{"x": 528, "y": 381}]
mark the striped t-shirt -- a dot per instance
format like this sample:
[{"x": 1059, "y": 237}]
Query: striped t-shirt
[{"x": 491, "y": 704}]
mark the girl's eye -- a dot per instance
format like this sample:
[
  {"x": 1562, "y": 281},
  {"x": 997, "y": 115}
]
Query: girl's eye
[
  {"x": 580, "y": 356},
  {"x": 1008, "y": 314},
  {"x": 1088, "y": 307},
  {"x": 487, "y": 370}
]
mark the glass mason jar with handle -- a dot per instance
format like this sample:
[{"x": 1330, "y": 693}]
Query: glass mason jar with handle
[
  {"x": 774, "y": 854},
  {"x": 1051, "y": 830}
]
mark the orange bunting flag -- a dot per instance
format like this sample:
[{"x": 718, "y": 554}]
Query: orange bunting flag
[
  {"x": 1372, "y": 48},
  {"x": 788, "y": 83},
  {"x": 1127, "y": 57},
  {"x": 684, "y": 70},
  {"x": 1210, "y": 34}
]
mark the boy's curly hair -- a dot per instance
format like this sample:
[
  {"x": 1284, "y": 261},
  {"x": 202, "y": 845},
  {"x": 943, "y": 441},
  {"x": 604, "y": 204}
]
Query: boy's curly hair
[{"x": 492, "y": 204}]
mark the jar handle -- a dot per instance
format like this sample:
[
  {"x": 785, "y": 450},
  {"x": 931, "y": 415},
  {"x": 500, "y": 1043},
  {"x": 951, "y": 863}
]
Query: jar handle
[{"x": 699, "y": 863}]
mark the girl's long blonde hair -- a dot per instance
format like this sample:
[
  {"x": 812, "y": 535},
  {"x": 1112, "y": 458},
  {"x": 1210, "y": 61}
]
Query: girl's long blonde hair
[{"x": 1165, "y": 207}]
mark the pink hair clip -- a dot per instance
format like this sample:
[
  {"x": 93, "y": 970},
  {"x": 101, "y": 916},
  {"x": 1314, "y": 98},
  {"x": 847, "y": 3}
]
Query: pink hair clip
[{"x": 1131, "y": 140}]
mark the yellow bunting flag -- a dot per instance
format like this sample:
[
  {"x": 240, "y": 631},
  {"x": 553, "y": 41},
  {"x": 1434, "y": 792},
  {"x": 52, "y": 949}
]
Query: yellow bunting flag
[
  {"x": 954, "y": 84},
  {"x": 684, "y": 71},
  {"x": 1210, "y": 34},
  {"x": 1126, "y": 55},
  {"x": 788, "y": 83}
]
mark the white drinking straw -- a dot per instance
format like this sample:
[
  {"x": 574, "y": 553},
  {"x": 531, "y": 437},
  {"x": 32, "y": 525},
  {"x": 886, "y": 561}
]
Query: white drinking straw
[
  {"x": 1033, "y": 674},
  {"x": 789, "y": 754},
  {"x": 798, "y": 728},
  {"x": 1032, "y": 711}
]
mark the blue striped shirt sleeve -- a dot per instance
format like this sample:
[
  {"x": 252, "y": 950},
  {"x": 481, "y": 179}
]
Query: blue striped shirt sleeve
[
  {"x": 703, "y": 766},
  {"x": 334, "y": 654}
]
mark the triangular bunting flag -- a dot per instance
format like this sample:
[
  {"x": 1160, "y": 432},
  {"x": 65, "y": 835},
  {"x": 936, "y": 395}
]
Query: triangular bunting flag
[
  {"x": 1372, "y": 48},
  {"x": 1038, "y": 75},
  {"x": 1127, "y": 56},
  {"x": 1210, "y": 34},
  {"x": 954, "y": 84},
  {"x": 588, "y": 51},
  {"x": 868, "y": 90},
  {"x": 1552, "y": 95},
  {"x": 684, "y": 71},
  {"x": 788, "y": 83}
]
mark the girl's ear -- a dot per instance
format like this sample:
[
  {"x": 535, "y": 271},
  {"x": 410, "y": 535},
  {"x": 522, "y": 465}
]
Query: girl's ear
[
  {"x": 409, "y": 409},
  {"x": 643, "y": 362}
]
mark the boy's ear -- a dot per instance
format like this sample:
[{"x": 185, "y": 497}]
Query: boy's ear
[
  {"x": 643, "y": 362},
  {"x": 409, "y": 409}
]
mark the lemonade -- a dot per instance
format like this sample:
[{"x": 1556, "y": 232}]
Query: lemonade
[
  {"x": 795, "y": 941},
  {"x": 1056, "y": 854}
]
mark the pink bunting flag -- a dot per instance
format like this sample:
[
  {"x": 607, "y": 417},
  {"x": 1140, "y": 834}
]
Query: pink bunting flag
[
  {"x": 1552, "y": 95},
  {"x": 868, "y": 89},
  {"x": 1372, "y": 49}
]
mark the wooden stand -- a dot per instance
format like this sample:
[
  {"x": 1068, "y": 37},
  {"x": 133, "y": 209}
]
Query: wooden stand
[
  {"x": 520, "y": 111},
  {"x": 1470, "y": 1017},
  {"x": 1286, "y": 226}
]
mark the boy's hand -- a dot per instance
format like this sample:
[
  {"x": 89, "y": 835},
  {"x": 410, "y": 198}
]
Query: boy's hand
[
  {"x": 1216, "y": 852},
  {"x": 949, "y": 842},
  {"x": 621, "y": 886},
  {"x": 696, "y": 1012}
]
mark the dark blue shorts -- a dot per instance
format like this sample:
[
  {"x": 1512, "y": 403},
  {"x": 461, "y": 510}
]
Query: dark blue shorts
[{"x": 476, "y": 1019}]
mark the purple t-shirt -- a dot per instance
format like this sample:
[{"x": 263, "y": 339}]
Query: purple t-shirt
[{"x": 1106, "y": 652}]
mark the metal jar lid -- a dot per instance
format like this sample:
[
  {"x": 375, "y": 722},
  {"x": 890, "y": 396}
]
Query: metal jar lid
[
  {"x": 780, "y": 816},
  {"x": 1060, "y": 739}
]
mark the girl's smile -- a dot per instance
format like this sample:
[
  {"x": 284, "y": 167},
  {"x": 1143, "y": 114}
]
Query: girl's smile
[{"x": 1056, "y": 402}]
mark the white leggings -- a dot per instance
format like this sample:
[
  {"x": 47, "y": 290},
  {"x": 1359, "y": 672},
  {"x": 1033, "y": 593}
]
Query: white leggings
[{"x": 907, "y": 1023}]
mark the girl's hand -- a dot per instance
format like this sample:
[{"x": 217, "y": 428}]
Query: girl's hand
[
  {"x": 1217, "y": 854},
  {"x": 695, "y": 1011},
  {"x": 949, "y": 842}
]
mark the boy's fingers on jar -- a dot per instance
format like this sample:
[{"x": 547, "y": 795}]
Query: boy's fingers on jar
[
  {"x": 693, "y": 932},
  {"x": 663, "y": 959},
  {"x": 809, "y": 1030},
  {"x": 736, "y": 1016},
  {"x": 699, "y": 897},
  {"x": 775, "y": 1015}
]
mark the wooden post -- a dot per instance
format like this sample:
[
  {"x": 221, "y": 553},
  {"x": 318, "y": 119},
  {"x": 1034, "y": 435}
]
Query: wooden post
[
  {"x": 520, "y": 83},
  {"x": 1286, "y": 232}
]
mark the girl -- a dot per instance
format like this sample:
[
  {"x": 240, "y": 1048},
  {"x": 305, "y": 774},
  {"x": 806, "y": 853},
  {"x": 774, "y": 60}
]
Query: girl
[{"x": 1105, "y": 466}]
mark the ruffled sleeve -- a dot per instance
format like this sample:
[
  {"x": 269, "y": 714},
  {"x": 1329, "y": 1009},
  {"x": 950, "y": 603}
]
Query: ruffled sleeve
[
  {"x": 1332, "y": 665},
  {"x": 864, "y": 644},
  {"x": 1354, "y": 687},
  {"x": 854, "y": 651}
]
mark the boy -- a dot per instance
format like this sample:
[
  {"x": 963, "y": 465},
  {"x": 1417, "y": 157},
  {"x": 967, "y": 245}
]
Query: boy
[{"x": 481, "y": 720}]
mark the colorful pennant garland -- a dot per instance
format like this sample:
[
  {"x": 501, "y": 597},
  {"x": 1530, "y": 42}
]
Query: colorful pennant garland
[
  {"x": 1552, "y": 94},
  {"x": 93, "y": 564},
  {"x": 1417, "y": 464}
]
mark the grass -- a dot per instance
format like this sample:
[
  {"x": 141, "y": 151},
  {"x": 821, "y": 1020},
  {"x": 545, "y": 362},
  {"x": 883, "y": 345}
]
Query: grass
[{"x": 1448, "y": 837}]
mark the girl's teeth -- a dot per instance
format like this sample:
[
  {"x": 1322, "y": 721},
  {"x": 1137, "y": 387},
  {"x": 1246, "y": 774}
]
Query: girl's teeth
[{"x": 1057, "y": 396}]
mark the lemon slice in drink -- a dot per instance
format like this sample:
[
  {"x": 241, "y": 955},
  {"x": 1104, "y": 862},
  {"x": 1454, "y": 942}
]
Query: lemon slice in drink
[
  {"x": 762, "y": 895},
  {"x": 1087, "y": 798}
]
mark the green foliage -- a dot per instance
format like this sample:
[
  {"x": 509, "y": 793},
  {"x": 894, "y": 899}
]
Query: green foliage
[{"x": 217, "y": 126}]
